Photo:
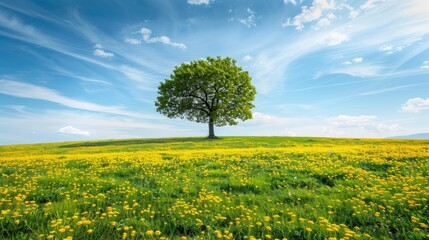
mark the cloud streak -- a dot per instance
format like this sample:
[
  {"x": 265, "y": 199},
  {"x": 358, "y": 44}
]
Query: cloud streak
[{"x": 26, "y": 90}]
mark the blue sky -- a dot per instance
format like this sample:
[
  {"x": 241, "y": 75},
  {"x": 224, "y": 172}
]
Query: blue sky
[{"x": 72, "y": 70}]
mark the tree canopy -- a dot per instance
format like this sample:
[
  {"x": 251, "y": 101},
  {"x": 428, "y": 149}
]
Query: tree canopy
[{"x": 214, "y": 91}]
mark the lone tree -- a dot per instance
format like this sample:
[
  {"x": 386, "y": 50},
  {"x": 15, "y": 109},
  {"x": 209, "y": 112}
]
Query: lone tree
[{"x": 213, "y": 91}]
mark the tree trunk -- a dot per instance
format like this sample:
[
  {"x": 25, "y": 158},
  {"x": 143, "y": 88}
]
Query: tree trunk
[{"x": 211, "y": 129}]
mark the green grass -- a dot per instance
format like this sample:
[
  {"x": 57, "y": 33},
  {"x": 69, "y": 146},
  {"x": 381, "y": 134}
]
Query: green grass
[{"x": 226, "y": 188}]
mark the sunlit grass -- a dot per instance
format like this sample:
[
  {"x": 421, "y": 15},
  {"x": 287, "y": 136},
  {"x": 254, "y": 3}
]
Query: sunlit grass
[{"x": 229, "y": 188}]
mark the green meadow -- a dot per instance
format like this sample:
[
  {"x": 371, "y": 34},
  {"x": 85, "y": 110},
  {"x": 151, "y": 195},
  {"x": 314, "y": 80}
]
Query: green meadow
[{"x": 226, "y": 188}]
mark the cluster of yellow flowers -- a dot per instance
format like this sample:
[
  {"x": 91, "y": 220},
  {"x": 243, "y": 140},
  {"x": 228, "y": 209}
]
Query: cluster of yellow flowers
[{"x": 234, "y": 188}]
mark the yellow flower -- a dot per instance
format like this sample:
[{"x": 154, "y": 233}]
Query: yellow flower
[
  {"x": 90, "y": 231},
  {"x": 308, "y": 229},
  {"x": 423, "y": 225},
  {"x": 149, "y": 232}
]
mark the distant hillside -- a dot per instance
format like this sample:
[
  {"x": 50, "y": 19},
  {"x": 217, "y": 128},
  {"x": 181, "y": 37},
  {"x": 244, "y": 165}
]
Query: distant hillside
[{"x": 414, "y": 136}]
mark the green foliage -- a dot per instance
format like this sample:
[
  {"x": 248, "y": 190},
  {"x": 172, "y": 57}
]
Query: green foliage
[{"x": 213, "y": 91}]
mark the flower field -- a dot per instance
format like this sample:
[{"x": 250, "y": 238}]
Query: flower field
[{"x": 229, "y": 188}]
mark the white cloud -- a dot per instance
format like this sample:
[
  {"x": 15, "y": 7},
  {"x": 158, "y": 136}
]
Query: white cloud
[
  {"x": 98, "y": 45},
  {"x": 369, "y": 4},
  {"x": 415, "y": 105},
  {"x": 166, "y": 40},
  {"x": 102, "y": 53},
  {"x": 367, "y": 122},
  {"x": 294, "y": 2},
  {"x": 335, "y": 38},
  {"x": 357, "y": 60},
  {"x": 425, "y": 65},
  {"x": 269, "y": 119},
  {"x": 199, "y": 2},
  {"x": 250, "y": 20},
  {"x": 247, "y": 58},
  {"x": 310, "y": 14},
  {"x": 133, "y": 41},
  {"x": 353, "y": 13},
  {"x": 146, "y": 34},
  {"x": 290, "y": 1},
  {"x": 354, "y": 60},
  {"x": 325, "y": 21},
  {"x": 388, "y": 49},
  {"x": 70, "y": 130}
]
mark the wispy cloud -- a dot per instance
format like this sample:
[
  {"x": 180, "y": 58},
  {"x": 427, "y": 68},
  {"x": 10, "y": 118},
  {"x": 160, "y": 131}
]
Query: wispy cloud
[
  {"x": 293, "y": 2},
  {"x": 250, "y": 20},
  {"x": 388, "y": 49},
  {"x": 199, "y": 2},
  {"x": 368, "y": 122},
  {"x": 133, "y": 41},
  {"x": 26, "y": 90},
  {"x": 102, "y": 53},
  {"x": 326, "y": 21},
  {"x": 369, "y": 4},
  {"x": 263, "y": 118},
  {"x": 415, "y": 105},
  {"x": 99, "y": 51},
  {"x": 146, "y": 35},
  {"x": 70, "y": 130},
  {"x": 335, "y": 38},
  {"x": 27, "y": 33},
  {"x": 425, "y": 65},
  {"x": 310, "y": 14},
  {"x": 353, "y": 13},
  {"x": 354, "y": 60}
]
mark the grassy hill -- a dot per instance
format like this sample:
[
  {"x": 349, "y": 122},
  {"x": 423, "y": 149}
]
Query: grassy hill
[{"x": 228, "y": 188}]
